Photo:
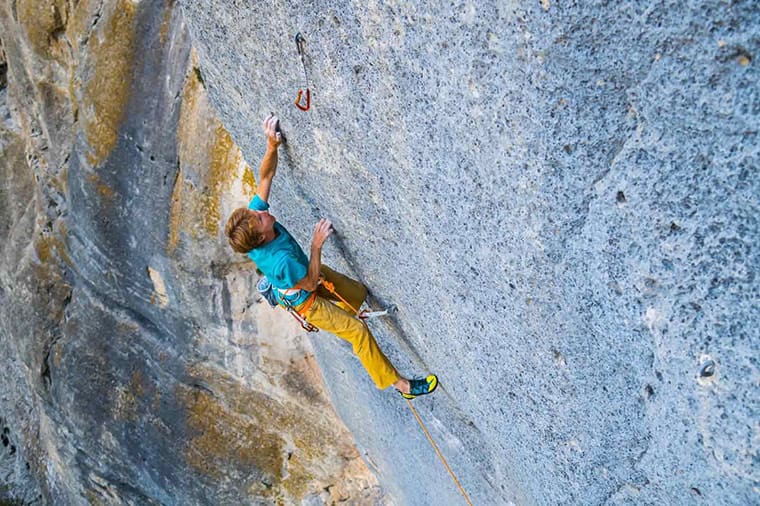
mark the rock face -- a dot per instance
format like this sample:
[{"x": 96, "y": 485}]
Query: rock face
[
  {"x": 141, "y": 366},
  {"x": 561, "y": 198}
]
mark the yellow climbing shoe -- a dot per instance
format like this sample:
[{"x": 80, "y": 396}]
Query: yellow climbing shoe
[{"x": 419, "y": 387}]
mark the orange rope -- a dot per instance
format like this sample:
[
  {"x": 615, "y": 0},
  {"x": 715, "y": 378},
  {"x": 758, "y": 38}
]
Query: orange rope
[
  {"x": 331, "y": 288},
  {"x": 440, "y": 455}
]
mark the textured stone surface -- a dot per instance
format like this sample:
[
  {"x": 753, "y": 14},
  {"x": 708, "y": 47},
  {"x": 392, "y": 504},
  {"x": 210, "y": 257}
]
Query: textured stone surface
[
  {"x": 141, "y": 368},
  {"x": 561, "y": 197}
]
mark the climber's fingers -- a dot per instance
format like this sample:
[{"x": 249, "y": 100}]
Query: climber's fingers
[{"x": 271, "y": 128}]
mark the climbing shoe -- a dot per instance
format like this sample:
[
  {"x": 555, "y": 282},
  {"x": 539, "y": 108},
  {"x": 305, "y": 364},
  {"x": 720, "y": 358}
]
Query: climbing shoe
[{"x": 419, "y": 387}]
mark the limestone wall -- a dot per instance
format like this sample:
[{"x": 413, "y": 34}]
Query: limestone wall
[
  {"x": 560, "y": 197},
  {"x": 140, "y": 365}
]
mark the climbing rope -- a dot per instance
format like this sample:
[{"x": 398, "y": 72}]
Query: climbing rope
[
  {"x": 331, "y": 288},
  {"x": 440, "y": 455}
]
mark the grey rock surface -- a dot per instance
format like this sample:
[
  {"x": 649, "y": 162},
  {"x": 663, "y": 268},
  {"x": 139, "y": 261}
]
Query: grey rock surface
[
  {"x": 140, "y": 367},
  {"x": 562, "y": 199}
]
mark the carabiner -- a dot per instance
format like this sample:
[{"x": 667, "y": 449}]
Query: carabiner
[
  {"x": 308, "y": 100},
  {"x": 300, "y": 41},
  {"x": 300, "y": 47},
  {"x": 308, "y": 327}
]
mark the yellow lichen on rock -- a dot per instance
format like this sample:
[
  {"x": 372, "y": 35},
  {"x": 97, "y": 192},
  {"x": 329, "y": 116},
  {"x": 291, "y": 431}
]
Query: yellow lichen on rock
[
  {"x": 79, "y": 22},
  {"x": 101, "y": 188},
  {"x": 166, "y": 22},
  {"x": 249, "y": 181},
  {"x": 46, "y": 244},
  {"x": 308, "y": 450},
  {"x": 44, "y": 22},
  {"x": 107, "y": 80},
  {"x": 222, "y": 171},
  {"x": 210, "y": 163},
  {"x": 221, "y": 439}
]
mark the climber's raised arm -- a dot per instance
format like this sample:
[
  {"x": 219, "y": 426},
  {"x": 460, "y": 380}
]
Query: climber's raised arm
[
  {"x": 322, "y": 230},
  {"x": 268, "y": 166}
]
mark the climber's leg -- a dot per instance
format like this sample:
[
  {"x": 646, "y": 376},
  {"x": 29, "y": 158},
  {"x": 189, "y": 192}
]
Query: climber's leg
[
  {"x": 331, "y": 318},
  {"x": 353, "y": 291}
]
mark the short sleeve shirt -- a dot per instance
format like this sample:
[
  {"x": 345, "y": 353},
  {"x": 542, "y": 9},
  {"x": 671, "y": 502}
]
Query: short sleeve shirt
[{"x": 281, "y": 260}]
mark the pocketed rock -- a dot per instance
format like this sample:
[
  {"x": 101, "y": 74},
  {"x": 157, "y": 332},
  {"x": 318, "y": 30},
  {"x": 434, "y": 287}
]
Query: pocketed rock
[
  {"x": 561, "y": 197},
  {"x": 140, "y": 367}
]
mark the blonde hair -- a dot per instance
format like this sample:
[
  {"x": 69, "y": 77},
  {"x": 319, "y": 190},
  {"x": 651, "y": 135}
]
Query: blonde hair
[{"x": 242, "y": 232}]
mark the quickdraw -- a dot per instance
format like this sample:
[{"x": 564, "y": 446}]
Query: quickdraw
[
  {"x": 300, "y": 47},
  {"x": 300, "y": 314},
  {"x": 265, "y": 288},
  {"x": 308, "y": 327}
]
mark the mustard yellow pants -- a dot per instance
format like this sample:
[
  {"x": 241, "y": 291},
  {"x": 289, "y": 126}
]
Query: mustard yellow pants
[{"x": 328, "y": 313}]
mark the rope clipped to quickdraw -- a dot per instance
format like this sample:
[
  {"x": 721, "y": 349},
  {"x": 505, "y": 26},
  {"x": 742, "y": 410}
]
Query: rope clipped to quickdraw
[
  {"x": 437, "y": 451},
  {"x": 300, "y": 47}
]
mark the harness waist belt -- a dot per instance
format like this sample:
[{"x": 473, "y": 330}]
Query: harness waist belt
[
  {"x": 304, "y": 307},
  {"x": 291, "y": 296}
]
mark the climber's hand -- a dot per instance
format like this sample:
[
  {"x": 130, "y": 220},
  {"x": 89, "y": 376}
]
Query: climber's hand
[
  {"x": 322, "y": 230},
  {"x": 272, "y": 130}
]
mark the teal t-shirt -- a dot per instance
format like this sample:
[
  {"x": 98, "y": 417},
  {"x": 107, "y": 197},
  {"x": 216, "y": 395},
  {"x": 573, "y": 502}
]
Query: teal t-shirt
[{"x": 281, "y": 260}]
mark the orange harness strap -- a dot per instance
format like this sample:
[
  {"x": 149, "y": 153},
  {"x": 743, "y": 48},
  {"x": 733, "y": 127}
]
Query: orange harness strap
[
  {"x": 307, "y": 305},
  {"x": 300, "y": 314}
]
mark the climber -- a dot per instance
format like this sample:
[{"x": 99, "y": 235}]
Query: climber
[{"x": 298, "y": 279}]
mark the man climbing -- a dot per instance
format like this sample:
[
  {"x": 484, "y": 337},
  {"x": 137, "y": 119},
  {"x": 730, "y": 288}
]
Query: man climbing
[{"x": 299, "y": 281}]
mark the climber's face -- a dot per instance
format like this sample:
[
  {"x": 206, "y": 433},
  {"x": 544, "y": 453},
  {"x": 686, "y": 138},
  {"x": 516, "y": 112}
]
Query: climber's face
[{"x": 264, "y": 220}]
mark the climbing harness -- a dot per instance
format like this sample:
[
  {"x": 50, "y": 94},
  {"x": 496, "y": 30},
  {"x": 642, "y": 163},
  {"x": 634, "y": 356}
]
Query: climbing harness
[
  {"x": 267, "y": 291},
  {"x": 300, "y": 45},
  {"x": 265, "y": 288},
  {"x": 300, "y": 314},
  {"x": 438, "y": 452}
]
